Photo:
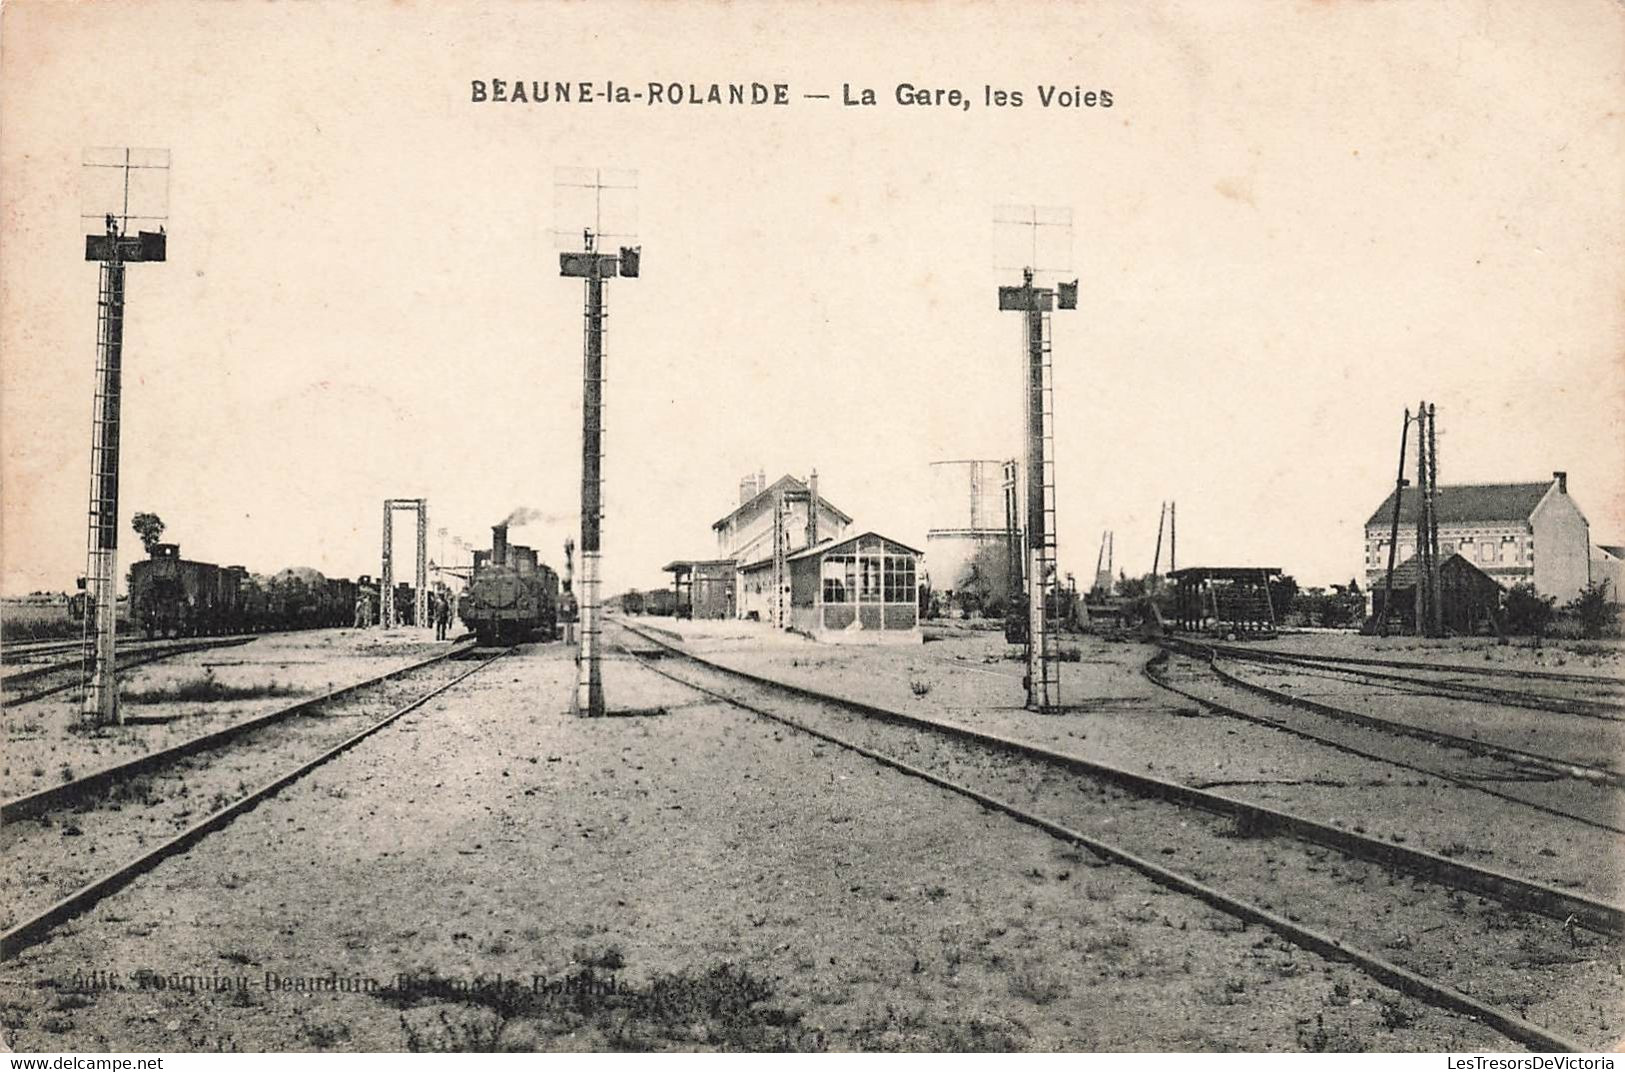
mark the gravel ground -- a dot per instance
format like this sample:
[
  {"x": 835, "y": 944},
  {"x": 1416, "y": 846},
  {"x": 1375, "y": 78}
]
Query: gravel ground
[
  {"x": 729, "y": 879},
  {"x": 1603, "y": 657},
  {"x": 45, "y": 745},
  {"x": 1527, "y": 964},
  {"x": 51, "y": 855},
  {"x": 1577, "y": 738},
  {"x": 1116, "y": 716}
]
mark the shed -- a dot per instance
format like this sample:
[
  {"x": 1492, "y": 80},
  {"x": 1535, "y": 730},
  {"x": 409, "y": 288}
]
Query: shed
[
  {"x": 1469, "y": 597},
  {"x": 704, "y": 588},
  {"x": 1224, "y": 599},
  {"x": 860, "y": 590}
]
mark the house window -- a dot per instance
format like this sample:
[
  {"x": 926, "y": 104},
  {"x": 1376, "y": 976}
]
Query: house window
[
  {"x": 899, "y": 579},
  {"x": 1486, "y": 552},
  {"x": 838, "y": 576}
]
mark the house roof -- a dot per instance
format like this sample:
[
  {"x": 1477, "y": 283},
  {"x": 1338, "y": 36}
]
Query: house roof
[
  {"x": 827, "y": 546},
  {"x": 1466, "y": 503},
  {"x": 783, "y": 483},
  {"x": 1616, "y": 552},
  {"x": 1406, "y": 572}
]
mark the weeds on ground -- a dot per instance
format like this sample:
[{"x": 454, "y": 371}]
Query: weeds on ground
[
  {"x": 726, "y": 1008},
  {"x": 901, "y": 1032},
  {"x": 206, "y": 689},
  {"x": 1327, "y": 1040},
  {"x": 1398, "y": 1013},
  {"x": 919, "y": 688},
  {"x": 1032, "y": 983}
]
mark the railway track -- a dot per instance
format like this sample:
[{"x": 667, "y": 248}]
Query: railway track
[
  {"x": 30, "y": 649},
  {"x": 1561, "y": 788},
  {"x": 1455, "y": 935},
  {"x": 1463, "y": 669},
  {"x": 24, "y": 686},
  {"x": 1445, "y": 681},
  {"x": 58, "y": 841}
]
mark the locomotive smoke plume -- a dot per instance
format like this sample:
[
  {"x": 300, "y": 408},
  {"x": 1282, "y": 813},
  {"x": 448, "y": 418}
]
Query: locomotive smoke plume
[{"x": 526, "y": 515}]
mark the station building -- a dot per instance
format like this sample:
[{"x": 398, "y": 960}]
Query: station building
[
  {"x": 832, "y": 586},
  {"x": 746, "y": 533},
  {"x": 862, "y": 589}
]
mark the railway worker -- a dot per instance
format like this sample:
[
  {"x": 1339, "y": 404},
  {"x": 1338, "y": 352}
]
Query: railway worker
[
  {"x": 442, "y": 615},
  {"x": 361, "y": 610}
]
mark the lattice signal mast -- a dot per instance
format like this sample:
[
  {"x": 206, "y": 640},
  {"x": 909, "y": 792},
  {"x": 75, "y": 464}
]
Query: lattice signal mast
[
  {"x": 1038, "y": 243},
  {"x": 119, "y": 187},
  {"x": 595, "y": 208}
]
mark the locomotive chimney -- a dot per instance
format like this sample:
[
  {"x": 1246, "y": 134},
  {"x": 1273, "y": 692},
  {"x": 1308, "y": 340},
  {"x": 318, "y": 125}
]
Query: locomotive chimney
[{"x": 499, "y": 544}]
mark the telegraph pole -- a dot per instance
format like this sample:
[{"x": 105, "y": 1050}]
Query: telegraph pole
[{"x": 1393, "y": 532}]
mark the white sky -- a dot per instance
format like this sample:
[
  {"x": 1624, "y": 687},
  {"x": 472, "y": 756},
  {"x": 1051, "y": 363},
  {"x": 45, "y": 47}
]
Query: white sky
[{"x": 1296, "y": 220}]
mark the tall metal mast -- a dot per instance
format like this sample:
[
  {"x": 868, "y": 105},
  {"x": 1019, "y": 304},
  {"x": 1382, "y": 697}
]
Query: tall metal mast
[
  {"x": 1038, "y": 240},
  {"x": 593, "y": 268},
  {"x": 108, "y": 175}
]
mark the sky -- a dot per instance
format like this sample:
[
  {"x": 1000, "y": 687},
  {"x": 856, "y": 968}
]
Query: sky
[{"x": 1294, "y": 221}]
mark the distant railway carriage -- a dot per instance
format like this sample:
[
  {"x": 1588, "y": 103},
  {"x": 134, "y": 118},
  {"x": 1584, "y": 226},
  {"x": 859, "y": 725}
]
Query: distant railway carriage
[
  {"x": 510, "y": 594},
  {"x": 662, "y": 601},
  {"x": 173, "y": 596}
]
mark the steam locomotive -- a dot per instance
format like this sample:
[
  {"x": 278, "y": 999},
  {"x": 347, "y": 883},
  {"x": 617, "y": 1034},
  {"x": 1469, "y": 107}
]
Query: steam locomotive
[
  {"x": 509, "y": 594},
  {"x": 172, "y": 596}
]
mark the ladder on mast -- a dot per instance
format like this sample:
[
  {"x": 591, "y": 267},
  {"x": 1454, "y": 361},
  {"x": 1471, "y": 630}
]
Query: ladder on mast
[{"x": 1044, "y": 579}]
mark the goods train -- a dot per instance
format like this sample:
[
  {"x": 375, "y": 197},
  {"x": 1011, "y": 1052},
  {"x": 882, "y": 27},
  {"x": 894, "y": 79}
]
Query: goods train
[
  {"x": 510, "y": 594},
  {"x": 171, "y": 596}
]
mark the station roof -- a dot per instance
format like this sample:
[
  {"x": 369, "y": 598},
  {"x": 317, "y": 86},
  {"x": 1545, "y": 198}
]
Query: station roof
[
  {"x": 688, "y": 565},
  {"x": 824, "y": 547},
  {"x": 1467, "y": 503},
  {"x": 783, "y": 483}
]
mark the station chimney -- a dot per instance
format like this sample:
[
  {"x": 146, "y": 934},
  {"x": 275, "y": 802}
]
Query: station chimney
[{"x": 812, "y": 509}]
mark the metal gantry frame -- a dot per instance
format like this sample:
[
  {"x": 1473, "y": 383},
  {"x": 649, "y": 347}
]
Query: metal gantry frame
[{"x": 386, "y": 568}]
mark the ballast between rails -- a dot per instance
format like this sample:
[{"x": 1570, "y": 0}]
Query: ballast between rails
[
  {"x": 1562, "y": 905},
  {"x": 33, "y": 930},
  {"x": 68, "y": 793},
  {"x": 1582, "y": 771},
  {"x": 1611, "y": 711},
  {"x": 1383, "y": 970},
  {"x": 30, "y": 673}
]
